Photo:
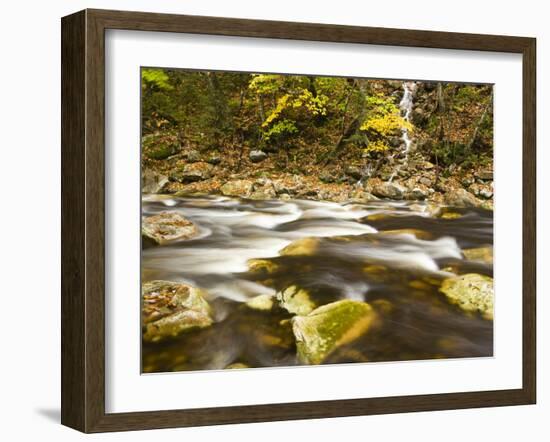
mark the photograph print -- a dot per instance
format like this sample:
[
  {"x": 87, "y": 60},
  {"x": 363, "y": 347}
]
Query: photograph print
[{"x": 295, "y": 220}]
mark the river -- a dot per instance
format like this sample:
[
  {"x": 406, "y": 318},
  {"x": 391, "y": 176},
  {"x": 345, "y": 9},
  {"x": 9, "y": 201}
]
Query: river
[{"x": 364, "y": 253}]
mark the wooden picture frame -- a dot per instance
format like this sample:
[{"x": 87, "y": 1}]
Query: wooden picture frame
[{"x": 83, "y": 219}]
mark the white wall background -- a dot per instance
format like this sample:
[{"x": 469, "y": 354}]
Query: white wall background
[{"x": 30, "y": 217}]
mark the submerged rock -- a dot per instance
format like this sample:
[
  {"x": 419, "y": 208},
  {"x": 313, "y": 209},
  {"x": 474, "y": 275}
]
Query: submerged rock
[
  {"x": 304, "y": 246},
  {"x": 329, "y": 327},
  {"x": 471, "y": 292},
  {"x": 237, "y": 188},
  {"x": 481, "y": 254},
  {"x": 256, "y": 265},
  {"x": 295, "y": 300},
  {"x": 169, "y": 309},
  {"x": 165, "y": 227},
  {"x": 236, "y": 365},
  {"x": 261, "y": 302}
]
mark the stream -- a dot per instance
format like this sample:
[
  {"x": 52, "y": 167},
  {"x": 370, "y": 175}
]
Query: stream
[{"x": 364, "y": 254}]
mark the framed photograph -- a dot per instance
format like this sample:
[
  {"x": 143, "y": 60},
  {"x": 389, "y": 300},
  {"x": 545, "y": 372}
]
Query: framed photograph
[{"x": 266, "y": 220}]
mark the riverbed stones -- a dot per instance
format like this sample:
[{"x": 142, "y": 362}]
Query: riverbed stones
[
  {"x": 165, "y": 227},
  {"x": 241, "y": 188},
  {"x": 169, "y": 309},
  {"x": 389, "y": 189},
  {"x": 473, "y": 293},
  {"x": 459, "y": 197},
  {"x": 295, "y": 300},
  {"x": 303, "y": 246},
  {"x": 330, "y": 327}
]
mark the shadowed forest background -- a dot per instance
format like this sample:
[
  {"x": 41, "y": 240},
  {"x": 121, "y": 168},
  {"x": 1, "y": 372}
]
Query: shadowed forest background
[{"x": 337, "y": 137}]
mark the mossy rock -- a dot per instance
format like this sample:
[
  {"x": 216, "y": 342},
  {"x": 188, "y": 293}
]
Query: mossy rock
[
  {"x": 450, "y": 215},
  {"x": 304, "y": 246},
  {"x": 160, "y": 146},
  {"x": 330, "y": 327},
  {"x": 261, "y": 302},
  {"x": 480, "y": 254},
  {"x": 262, "y": 266},
  {"x": 169, "y": 309},
  {"x": 471, "y": 292},
  {"x": 236, "y": 366},
  {"x": 295, "y": 300}
]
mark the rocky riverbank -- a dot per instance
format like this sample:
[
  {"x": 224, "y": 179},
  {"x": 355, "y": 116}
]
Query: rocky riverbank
[{"x": 418, "y": 181}]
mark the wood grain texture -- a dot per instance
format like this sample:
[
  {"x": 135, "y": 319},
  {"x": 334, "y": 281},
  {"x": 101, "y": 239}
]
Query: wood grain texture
[{"x": 83, "y": 219}]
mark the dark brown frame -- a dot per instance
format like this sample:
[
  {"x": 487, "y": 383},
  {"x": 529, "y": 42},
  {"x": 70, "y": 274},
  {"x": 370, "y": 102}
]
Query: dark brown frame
[{"x": 83, "y": 217}]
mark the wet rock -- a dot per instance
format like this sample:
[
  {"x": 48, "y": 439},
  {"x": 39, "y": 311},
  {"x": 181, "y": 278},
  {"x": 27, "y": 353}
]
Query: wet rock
[
  {"x": 191, "y": 173},
  {"x": 295, "y": 300},
  {"x": 480, "y": 254},
  {"x": 169, "y": 309},
  {"x": 236, "y": 365},
  {"x": 261, "y": 302},
  {"x": 257, "y": 156},
  {"x": 471, "y": 292},
  {"x": 461, "y": 198},
  {"x": 165, "y": 227},
  {"x": 152, "y": 182},
  {"x": 389, "y": 190},
  {"x": 303, "y": 246},
  {"x": 450, "y": 215},
  {"x": 262, "y": 266},
  {"x": 237, "y": 188},
  {"x": 330, "y": 327},
  {"x": 420, "y": 234}
]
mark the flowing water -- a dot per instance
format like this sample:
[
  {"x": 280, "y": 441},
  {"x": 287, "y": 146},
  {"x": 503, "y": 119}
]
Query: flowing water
[
  {"x": 362, "y": 255},
  {"x": 405, "y": 106}
]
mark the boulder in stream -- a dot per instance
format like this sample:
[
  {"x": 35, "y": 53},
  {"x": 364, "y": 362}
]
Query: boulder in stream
[
  {"x": 295, "y": 300},
  {"x": 480, "y": 254},
  {"x": 261, "y": 302},
  {"x": 169, "y": 309},
  {"x": 165, "y": 227},
  {"x": 471, "y": 292},
  {"x": 303, "y": 246},
  {"x": 329, "y": 327}
]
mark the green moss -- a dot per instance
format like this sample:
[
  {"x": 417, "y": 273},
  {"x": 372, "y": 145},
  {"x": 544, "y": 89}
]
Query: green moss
[{"x": 330, "y": 327}]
